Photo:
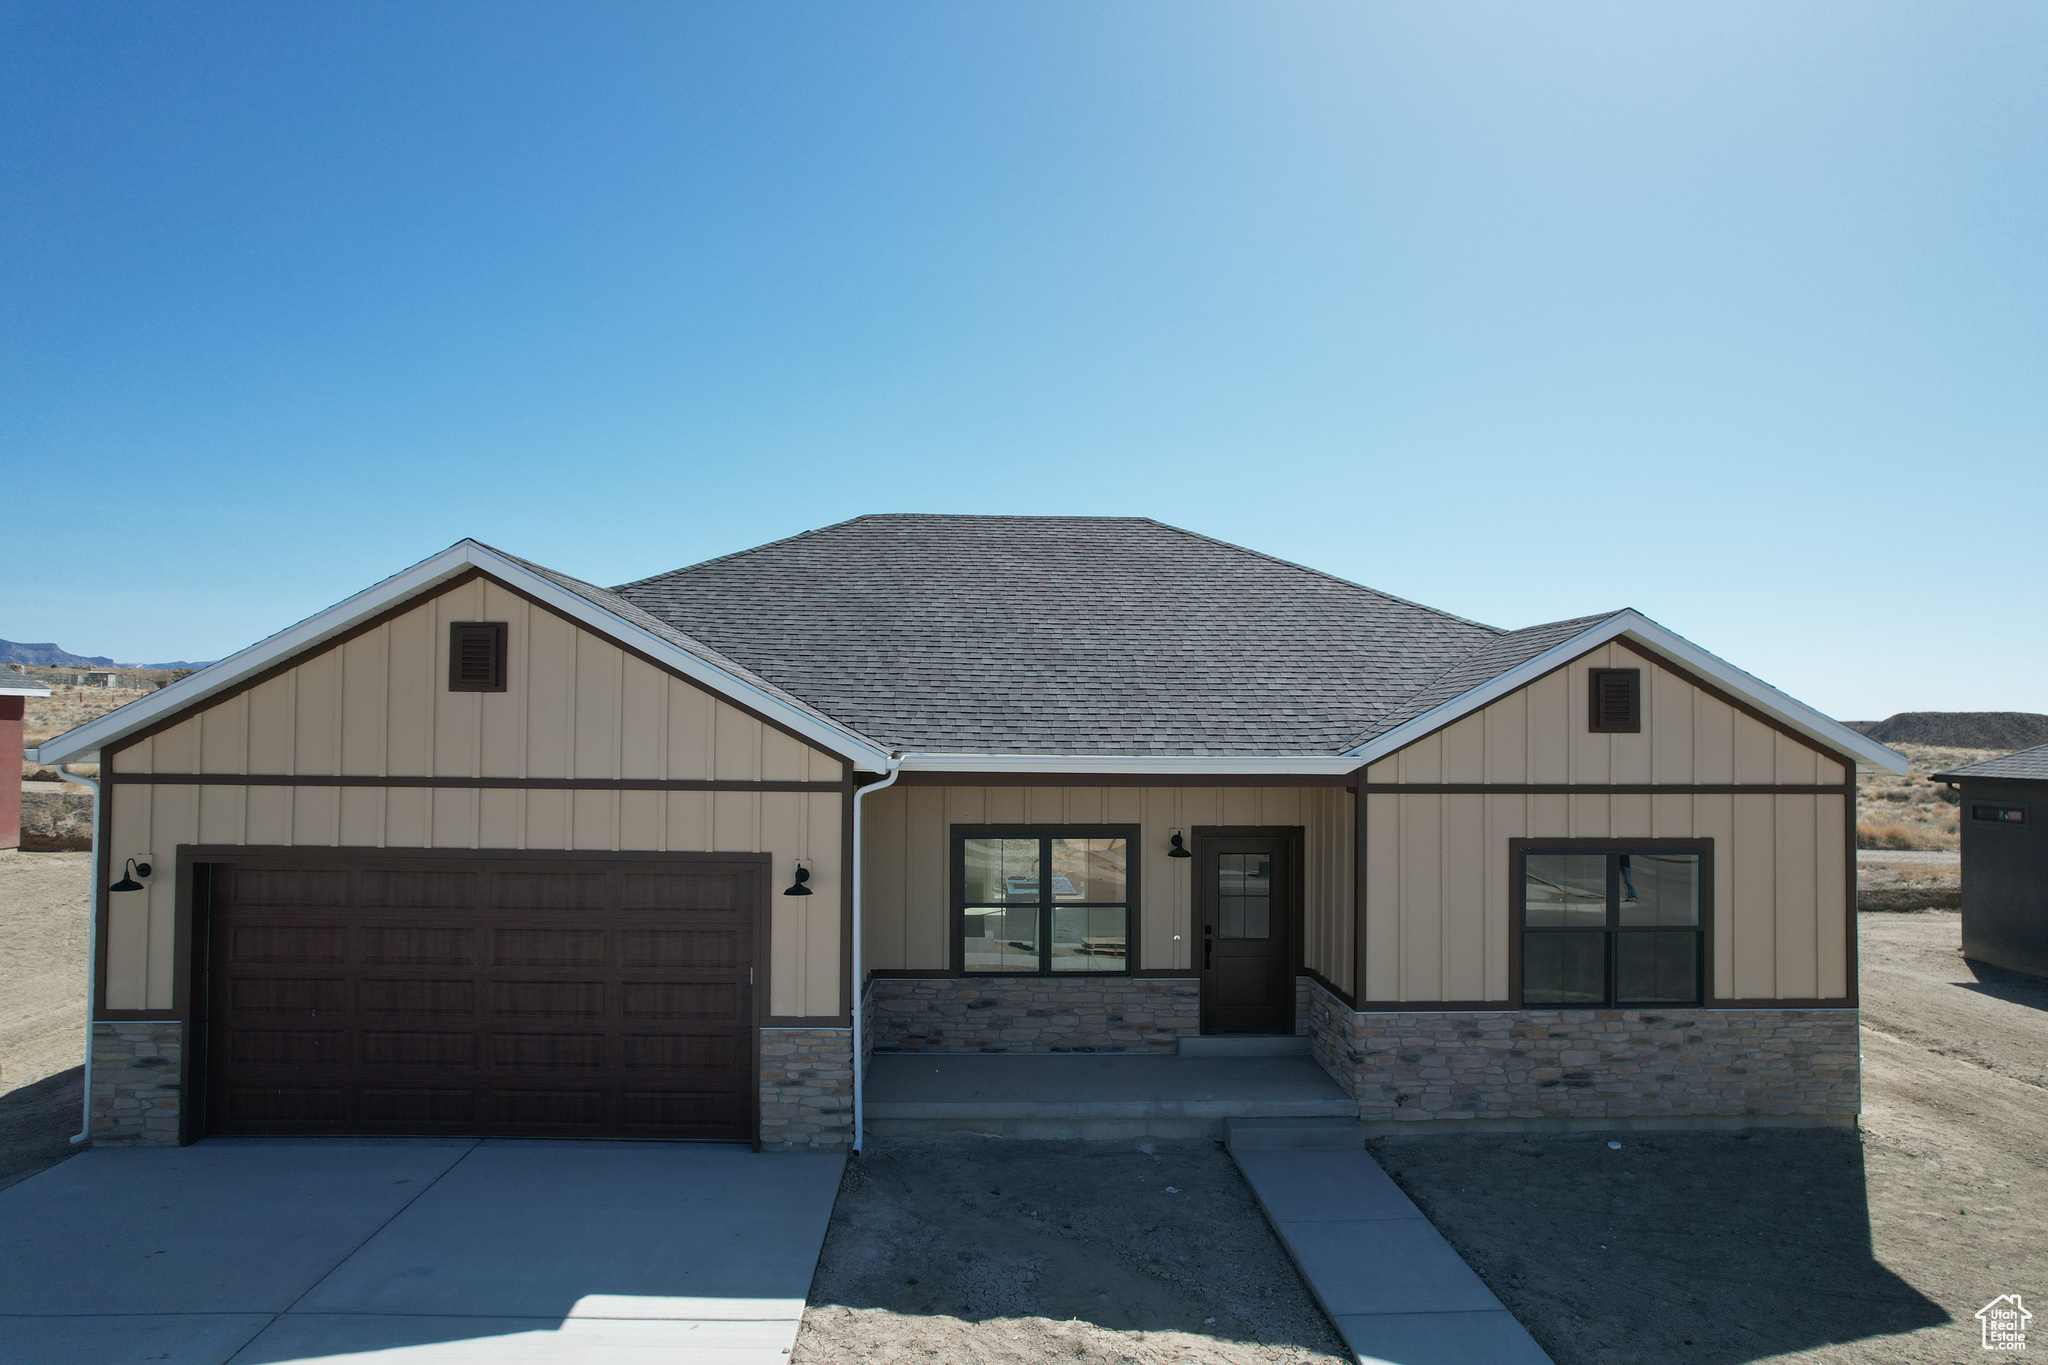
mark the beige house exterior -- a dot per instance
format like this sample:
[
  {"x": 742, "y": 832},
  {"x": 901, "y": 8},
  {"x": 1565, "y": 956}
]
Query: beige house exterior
[{"x": 619, "y": 872}]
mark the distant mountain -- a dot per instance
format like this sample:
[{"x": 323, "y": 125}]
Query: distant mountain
[
  {"x": 12, "y": 653},
  {"x": 1959, "y": 729}
]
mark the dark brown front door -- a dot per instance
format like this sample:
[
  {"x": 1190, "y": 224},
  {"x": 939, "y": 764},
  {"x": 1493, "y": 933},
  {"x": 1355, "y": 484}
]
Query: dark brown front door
[
  {"x": 1247, "y": 905},
  {"x": 465, "y": 995}
]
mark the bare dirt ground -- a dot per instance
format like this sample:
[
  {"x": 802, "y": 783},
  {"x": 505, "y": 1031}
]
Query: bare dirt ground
[
  {"x": 1877, "y": 1245},
  {"x": 42, "y": 1007},
  {"x": 1920, "y": 880},
  {"x": 963, "y": 1248}
]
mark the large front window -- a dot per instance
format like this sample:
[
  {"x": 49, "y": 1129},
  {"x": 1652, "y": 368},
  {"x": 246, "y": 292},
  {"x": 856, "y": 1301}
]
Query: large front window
[
  {"x": 1033, "y": 900},
  {"x": 1611, "y": 927}
]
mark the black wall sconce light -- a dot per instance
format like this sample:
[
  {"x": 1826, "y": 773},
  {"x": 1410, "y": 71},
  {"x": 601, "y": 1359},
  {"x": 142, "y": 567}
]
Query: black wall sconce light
[
  {"x": 1179, "y": 849},
  {"x": 128, "y": 876},
  {"x": 802, "y": 885}
]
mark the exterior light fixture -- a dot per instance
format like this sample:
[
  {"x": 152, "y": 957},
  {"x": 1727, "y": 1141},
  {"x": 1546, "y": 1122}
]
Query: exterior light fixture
[
  {"x": 801, "y": 886},
  {"x": 1179, "y": 849},
  {"x": 128, "y": 875}
]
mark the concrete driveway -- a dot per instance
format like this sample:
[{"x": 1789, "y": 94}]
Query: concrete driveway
[{"x": 412, "y": 1252}]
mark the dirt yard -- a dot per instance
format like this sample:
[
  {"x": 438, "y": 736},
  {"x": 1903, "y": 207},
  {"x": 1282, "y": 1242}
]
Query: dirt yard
[
  {"x": 42, "y": 1007},
  {"x": 976, "y": 1249},
  {"x": 1798, "y": 1246}
]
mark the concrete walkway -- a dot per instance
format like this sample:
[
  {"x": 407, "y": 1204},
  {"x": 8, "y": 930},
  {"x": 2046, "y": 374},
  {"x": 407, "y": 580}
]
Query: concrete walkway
[
  {"x": 412, "y": 1252},
  {"x": 1396, "y": 1290}
]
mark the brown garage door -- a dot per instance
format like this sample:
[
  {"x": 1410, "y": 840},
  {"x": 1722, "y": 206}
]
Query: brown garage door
[{"x": 452, "y": 994}]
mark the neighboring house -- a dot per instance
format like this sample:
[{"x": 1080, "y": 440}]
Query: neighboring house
[
  {"x": 486, "y": 849},
  {"x": 2005, "y": 859},
  {"x": 15, "y": 690}
]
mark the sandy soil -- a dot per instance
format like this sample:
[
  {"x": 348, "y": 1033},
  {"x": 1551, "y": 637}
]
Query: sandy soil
[
  {"x": 42, "y": 1007},
  {"x": 976, "y": 1249},
  {"x": 1917, "y": 880},
  {"x": 1877, "y": 1245}
]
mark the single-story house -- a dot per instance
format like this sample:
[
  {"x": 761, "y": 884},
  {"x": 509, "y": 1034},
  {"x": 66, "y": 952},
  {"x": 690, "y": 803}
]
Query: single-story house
[
  {"x": 2005, "y": 859},
  {"x": 15, "y": 690},
  {"x": 487, "y": 849}
]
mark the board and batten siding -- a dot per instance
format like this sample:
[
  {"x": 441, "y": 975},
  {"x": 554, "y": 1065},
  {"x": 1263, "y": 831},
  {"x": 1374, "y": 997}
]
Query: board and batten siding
[
  {"x": 907, "y": 872},
  {"x": 575, "y": 706},
  {"x": 1439, "y": 896}
]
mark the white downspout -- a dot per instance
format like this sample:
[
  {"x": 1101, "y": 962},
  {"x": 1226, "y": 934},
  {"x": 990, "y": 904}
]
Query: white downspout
[
  {"x": 92, "y": 947},
  {"x": 859, "y": 1072}
]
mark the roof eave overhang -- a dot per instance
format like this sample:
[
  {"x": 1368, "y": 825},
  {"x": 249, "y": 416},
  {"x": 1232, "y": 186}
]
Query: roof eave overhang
[
  {"x": 1795, "y": 715},
  {"x": 1161, "y": 765},
  {"x": 85, "y": 742},
  {"x": 6, "y": 691}
]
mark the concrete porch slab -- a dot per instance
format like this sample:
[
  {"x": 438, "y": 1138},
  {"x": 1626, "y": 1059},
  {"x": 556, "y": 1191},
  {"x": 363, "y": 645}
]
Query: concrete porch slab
[
  {"x": 1077, "y": 1087},
  {"x": 114, "y": 1339},
  {"x": 360, "y": 1339}
]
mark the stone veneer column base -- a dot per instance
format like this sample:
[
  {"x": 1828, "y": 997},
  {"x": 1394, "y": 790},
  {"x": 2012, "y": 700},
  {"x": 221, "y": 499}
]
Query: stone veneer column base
[
  {"x": 1562, "y": 1070},
  {"x": 1032, "y": 1013},
  {"x": 806, "y": 1089},
  {"x": 135, "y": 1082}
]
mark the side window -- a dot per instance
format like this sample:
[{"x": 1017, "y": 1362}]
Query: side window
[
  {"x": 1604, "y": 928},
  {"x": 1990, "y": 814}
]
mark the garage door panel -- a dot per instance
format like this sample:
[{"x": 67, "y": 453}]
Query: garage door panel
[
  {"x": 549, "y": 947},
  {"x": 413, "y": 945},
  {"x": 548, "y": 890},
  {"x": 699, "y": 948},
  {"x": 476, "y": 997}
]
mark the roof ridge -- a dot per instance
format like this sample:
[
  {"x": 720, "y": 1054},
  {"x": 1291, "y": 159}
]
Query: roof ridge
[{"x": 1496, "y": 631}]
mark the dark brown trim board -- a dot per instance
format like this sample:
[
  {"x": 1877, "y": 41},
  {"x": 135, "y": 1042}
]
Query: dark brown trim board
[
  {"x": 1332, "y": 987},
  {"x": 1358, "y": 893},
  {"x": 1598, "y": 789},
  {"x": 1641, "y": 651},
  {"x": 988, "y": 778},
  {"x": 539, "y": 784}
]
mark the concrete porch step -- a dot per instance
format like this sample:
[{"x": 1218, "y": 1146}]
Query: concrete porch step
[
  {"x": 1245, "y": 1045},
  {"x": 1266, "y": 1134},
  {"x": 1070, "y": 1096}
]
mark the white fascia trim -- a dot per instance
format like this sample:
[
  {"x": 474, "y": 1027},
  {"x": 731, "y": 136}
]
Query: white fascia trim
[
  {"x": 1796, "y": 715},
  {"x": 16, "y": 690},
  {"x": 1171, "y": 765},
  {"x": 84, "y": 742}
]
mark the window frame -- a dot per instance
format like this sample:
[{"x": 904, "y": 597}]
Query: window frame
[
  {"x": 1999, "y": 803},
  {"x": 957, "y": 901},
  {"x": 1703, "y": 966},
  {"x": 1595, "y": 722}
]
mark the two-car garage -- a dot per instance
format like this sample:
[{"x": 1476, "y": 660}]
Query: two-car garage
[{"x": 539, "y": 995}]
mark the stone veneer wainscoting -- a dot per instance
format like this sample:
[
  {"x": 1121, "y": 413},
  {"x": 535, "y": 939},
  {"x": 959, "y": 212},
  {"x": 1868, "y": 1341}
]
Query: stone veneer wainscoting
[
  {"x": 135, "y": 1082},
  {"x": 1032, "y": 1013},
  {"x": 806, "y": 1089},
  {"x": 1561, "y": 1069}
]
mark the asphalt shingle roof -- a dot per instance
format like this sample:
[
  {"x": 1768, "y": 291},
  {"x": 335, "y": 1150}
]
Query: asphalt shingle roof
[
  {"x": 16, "y": 682},
  {"x": 2028, "y": 765},
  {"x": 1070, "y": 635}
]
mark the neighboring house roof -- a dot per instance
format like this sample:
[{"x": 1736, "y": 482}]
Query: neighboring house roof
[
  {"x": 2028, "y": 765},
  {"x": 1058, "y": 644},
  {"x": 13, "y": 684}
]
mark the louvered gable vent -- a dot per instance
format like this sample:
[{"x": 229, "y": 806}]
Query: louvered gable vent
[
  {"x": 1617, "y": 700},
  {"x": 476, "y": 656}
]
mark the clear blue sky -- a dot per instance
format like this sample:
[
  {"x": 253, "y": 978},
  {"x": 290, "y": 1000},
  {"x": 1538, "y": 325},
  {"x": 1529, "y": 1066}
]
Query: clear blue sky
[{"x": 1730, "y": 312}]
